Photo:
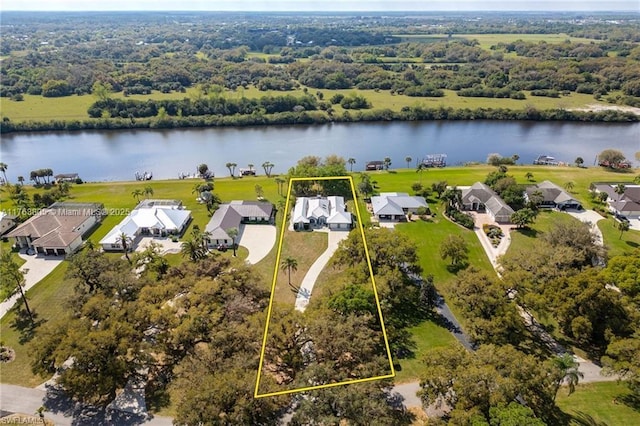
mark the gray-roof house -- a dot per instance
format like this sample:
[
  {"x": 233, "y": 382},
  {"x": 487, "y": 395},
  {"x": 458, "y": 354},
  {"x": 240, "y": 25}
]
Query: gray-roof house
[
  {"x": 553, "y": 196},
  {"x": 481, "y": 198},
  {"x": 58, "y": 229},
  {"x": 234, "y": 214},
  {"x": 317, "y": 212},
  {"x": 7, "y": 222},
  {"x": 626, "y": 204},
  {"x": 396, "y": 205}
]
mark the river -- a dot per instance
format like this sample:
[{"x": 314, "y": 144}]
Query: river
[{"x": 117, "y": 155}]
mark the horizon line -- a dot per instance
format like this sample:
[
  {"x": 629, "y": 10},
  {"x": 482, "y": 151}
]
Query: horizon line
[{"x": 328, "y": 11}]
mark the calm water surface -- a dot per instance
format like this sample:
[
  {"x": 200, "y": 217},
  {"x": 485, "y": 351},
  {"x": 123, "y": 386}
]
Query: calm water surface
[{"x": 117, "y": 155}]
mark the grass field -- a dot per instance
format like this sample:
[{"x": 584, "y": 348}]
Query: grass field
[
  {"x": 48, "y": 296},
  {"x": 38, "y": 108},
  {"x": 488, "y": 40},
  {"x": 599, "y": 404}
]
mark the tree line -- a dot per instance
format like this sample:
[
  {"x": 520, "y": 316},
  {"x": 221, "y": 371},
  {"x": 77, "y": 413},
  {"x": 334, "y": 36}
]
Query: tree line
[{"x": 414, "y": 113}]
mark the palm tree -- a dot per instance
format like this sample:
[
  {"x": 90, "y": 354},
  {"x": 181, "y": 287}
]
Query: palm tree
[
  {"x": 386, "y": 162},
  {"x": 351, "y": 162},
  {"x": 136, "y": 194},
  {"x": 566, "y": 371},
  {"x": 279, "y": 182},
  {"x": 408, "y": 160},
  {"x": 250, "y": 166},
  {"x": 267, "y": 166},
  {"x": 125, "y": 241},
  {"x": 12, "y": 280},
  {"x": 148, "y": 191},
  {"x": 3, "y": 169},
  {"x": 569, "y": 186},
  {"x": 289, "y": 264},
  {"x": 192, "y": 249},
  {"x": 420, "y": 169},
  {"x": 623, "y": 226},
  {"x": 529, "y": 176},
  {"x": 232, "y": 168},
  {"x": 620, "y": 189},
  {"x": 21, "y": 180},
  {"x": 233, "y": 233}
]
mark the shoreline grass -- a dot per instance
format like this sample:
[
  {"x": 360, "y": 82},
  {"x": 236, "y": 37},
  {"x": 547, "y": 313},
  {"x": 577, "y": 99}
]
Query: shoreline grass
[{"x": 67, "y": 108}]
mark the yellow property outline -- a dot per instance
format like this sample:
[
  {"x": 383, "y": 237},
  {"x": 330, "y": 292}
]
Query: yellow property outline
[{"x": 273, "y": 287}]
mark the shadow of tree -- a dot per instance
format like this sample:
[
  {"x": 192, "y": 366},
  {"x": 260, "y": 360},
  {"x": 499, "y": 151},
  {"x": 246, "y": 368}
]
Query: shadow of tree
[
  {"x": 22, "y": 324},
  {"x": 632, "y": 244},
  {"x": 527, "y": 232},
  {"x": 583, "y": 419},
  {"x": 56, "y": 401},
  {"x": 457, "y": 267},
  {"x": 630, "y": 400}
]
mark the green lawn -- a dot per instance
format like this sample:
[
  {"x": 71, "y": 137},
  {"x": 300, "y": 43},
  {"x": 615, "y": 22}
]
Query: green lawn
[
  {"x": 427, "y": 336},
  {"x": 47, "y": 301},
  {"x": 488, "y": 40},
  {"x": 616, "y": 243},
  {"x": 607, "y": 403},
  {"x": 47, "y": 298},
  {"x": 38, "y": 108}
]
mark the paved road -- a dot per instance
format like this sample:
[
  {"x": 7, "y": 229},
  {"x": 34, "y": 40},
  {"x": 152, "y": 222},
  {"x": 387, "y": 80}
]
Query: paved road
[
  {"x": 62, "y": 411},
  {"x": 309, "y": 280},
  {"x": 36, "y": 267}
]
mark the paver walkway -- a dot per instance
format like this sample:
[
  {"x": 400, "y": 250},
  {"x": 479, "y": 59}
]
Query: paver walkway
[
  {"x": 37, "y": 267},
  {"x": 309, "y": 280}
]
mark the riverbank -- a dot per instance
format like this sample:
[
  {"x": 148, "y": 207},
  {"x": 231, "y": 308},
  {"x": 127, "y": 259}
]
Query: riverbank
[{"x": 407, "y": 113}]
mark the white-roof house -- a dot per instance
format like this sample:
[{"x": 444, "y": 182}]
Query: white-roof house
[
  {"x": 395, "y": 205},
  {"x": 156, "y": 218},
  {"x": 316, "y": 212}
]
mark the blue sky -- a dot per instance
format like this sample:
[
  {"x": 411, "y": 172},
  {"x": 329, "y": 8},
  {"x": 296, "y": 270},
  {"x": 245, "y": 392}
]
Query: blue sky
[{"x": 326, "y": 5}]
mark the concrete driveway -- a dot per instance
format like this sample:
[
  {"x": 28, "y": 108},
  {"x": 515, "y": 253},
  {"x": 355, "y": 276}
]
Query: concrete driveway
[
  {"x": 589, "y": 217},
  {"x": 259, "y": 240},
  {"x": 37, "y": 267},
  {"x": 309, "y": 280}
]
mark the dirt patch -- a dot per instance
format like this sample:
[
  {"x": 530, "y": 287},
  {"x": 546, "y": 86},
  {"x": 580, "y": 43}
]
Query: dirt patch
[
  {"x": 600, "y": 108},
  {"x": 7, "y": 354}
]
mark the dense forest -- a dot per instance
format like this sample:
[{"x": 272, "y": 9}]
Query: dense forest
[{"x": 209, "y": 55}]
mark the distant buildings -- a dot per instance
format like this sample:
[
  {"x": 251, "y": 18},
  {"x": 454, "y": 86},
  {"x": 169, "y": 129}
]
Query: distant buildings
[
  {"x": 374, "y": 165},
  {"x": 317, "y": 212},
  {"x": 396, "y": 205},
  {"x": 59, "y": 229},
  {"x": 156, "y": 218},
  {"x": 234, "y": 214},
  {"x": 626, "y": 204}
]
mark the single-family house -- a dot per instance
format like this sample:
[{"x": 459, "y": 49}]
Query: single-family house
[
  {"x": 396, "y": 205},
  {"x": 58, "y": 229},
  {"x": 317, "y": 212},
  {"x": 234, "y": 214},
  {"x": 7, "y": 222},
  {"x": 481, "y": 198},
  {"x": 552, "y": 196},
  {"x": 626, "y": 204},
  {"x": 156, "y": 218}
]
